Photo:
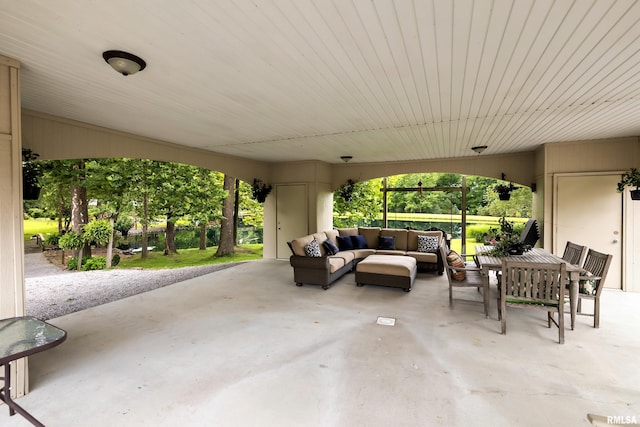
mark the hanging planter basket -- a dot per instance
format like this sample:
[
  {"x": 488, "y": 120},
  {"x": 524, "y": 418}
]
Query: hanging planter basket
[
  {"x": 630, "y": 178},
  {"x": 260, "y": 191},
  {"x": 504, "y": 190}
]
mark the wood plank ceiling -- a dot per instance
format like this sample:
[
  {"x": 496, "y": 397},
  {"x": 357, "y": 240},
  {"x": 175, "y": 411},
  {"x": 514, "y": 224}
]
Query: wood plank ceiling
[{"x": 286, "y": 80}]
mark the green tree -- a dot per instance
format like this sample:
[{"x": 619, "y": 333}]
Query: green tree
[
  {"x": 518, "y": 206},
  {"x": 363, "y": 209},
  {"x": 227, "y": 245}
]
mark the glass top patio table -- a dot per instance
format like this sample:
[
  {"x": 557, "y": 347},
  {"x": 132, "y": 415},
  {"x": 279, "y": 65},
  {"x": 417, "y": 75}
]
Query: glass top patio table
[{"x": 20, "y": 337}]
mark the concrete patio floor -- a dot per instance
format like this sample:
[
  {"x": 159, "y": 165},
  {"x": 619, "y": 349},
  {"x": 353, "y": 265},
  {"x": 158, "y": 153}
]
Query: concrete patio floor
[{"x": 246, "y": 347}]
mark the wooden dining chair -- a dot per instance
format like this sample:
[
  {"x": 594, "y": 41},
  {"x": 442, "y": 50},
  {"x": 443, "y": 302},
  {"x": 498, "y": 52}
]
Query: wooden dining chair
[
  {"x": 591, "y": 284},
  {"x": 574, "y": 253},
  {"x": 462, "y": 273},
  {"x": 538, "y": 286}
]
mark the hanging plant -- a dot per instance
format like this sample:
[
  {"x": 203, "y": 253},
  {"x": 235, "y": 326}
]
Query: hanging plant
[
  {"x": 260, "y": 190},
  {"x": 504, "y": 190},
  {"x": 346, "y": 191},
  {"x": 631, "y": 178},
  {"x": 31, "y": 172}
]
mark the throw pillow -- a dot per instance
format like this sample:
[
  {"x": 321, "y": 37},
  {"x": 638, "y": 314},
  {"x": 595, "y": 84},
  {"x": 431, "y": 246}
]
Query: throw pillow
[
  {"x": 313, "y": 249},
  {"x": 455, "y": 260},
  {"x": 387, "y": 242},
  {"x": 344, "y": 243},
  {"x": 330, "y": 247},
  {"x": 428, "y": 244},
  {"x": 359, "y": 242}
]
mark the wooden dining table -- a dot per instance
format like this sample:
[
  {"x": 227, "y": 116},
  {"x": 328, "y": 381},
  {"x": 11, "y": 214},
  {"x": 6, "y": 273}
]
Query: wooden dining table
[{"x": 489, "y": 263}]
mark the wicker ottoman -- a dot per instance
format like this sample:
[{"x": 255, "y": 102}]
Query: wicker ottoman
[{"x": 387, "y": 270}]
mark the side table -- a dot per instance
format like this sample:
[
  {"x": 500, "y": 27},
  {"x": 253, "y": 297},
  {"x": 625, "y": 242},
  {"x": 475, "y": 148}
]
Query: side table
[{"x": 21, "y": 337}]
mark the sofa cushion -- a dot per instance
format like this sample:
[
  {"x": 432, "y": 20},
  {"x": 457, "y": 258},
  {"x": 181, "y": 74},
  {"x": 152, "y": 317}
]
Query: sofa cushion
[
  {"x": 387, "y": 243},
  {"x": 330, "y": 247},
  {"x": 363, "y": 253},
  {"x": 347, "y": 256},
  {"x": 389, "y": 252},
  {"x": 424, "y": 256},
  {"x": 348, "y": 231},
  {"x": 427, "y": 244},
  {"x": 400, "y": 236},
  {"x": 455, "y": 260},
  {"x": 332, "y": 235},
  {"x": 335, "y": 264},
  {"x": 344, "y": 243},
  {"x": 359, "y": 242},
  {"x": 412, "y": 238},
  {"x": 321, "y": 237},
  {"x": 371, "y": 235},
  {"x": 312, "y": 249},
  {"x": 297, "y": 245}
]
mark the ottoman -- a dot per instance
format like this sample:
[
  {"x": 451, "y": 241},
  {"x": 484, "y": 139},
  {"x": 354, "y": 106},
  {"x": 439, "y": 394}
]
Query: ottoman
[{"x": 387, "y": 270}]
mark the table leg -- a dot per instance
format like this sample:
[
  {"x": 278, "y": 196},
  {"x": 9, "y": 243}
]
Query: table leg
[
  {"x": 574, "y": 284},
  {"x": 5, "y": 396},
  {"x": 485, "y": 291}
]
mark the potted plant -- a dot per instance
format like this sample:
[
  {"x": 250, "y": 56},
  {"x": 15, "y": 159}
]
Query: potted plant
[
  {"x": 31, "y": 172},
  {"x": 504, "y": 190},
  {"x": 260, "y": 190},
  {"x": 631, "y": 178},
  {"x": 508, "y": 242}
]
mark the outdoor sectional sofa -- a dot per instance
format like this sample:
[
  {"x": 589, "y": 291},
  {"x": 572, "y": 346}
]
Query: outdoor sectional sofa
[{"x": 322, "y": 267}]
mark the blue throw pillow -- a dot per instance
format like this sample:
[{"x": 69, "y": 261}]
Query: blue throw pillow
[
  {"x": 359, "y": 242},
  {"x": 330, "y": 247},
  {"x": 344, "y": 243},
  {"x": 387, "y": 243}
]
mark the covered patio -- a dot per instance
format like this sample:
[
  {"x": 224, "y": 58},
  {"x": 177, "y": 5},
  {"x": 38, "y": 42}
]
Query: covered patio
[
  {"x": 281, "y": 92},
  {"x": 228, "y": 349}
]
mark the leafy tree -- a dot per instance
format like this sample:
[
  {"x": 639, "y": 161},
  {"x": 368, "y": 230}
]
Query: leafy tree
[
  {"x": 365, "y": 205},
  {"x": 226, "y": 246},
  {"x": 74, "y": 241},
  {"x": 206, "y": 196},
  {"x": 518, "y": 206}
]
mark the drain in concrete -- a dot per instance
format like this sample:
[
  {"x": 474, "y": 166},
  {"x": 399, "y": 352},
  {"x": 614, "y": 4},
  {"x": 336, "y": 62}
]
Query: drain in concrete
[{"x": 386, "y": 321}]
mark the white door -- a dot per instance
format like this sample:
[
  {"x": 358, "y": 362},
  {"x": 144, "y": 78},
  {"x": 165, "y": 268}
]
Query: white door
[
  {"x": 589, "y": 212},
  {"x": 291, "y": 216}
]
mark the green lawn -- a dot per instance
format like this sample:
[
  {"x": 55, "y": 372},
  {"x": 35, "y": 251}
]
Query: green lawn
[
  {"x": 191, "y": 258},
  {"x": 39, "y": 226}
]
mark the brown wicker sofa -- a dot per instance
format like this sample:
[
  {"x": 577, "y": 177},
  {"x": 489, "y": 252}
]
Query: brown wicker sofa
[{"x": 328, "y": 267}]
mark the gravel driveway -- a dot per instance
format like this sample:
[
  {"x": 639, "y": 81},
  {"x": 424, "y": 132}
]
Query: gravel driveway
[{"x": 52, "y": 292}]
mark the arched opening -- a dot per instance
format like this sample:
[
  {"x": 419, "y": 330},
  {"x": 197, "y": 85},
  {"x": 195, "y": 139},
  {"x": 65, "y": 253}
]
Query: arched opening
[{"x": 460, "y": 205}]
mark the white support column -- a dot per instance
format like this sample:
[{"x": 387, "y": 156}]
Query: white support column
[{"x": 11, "y": 227}]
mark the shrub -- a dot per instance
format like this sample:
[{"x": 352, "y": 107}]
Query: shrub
[
  {"x": 94, "y": 263},
  {"x": 72, "y": 264},
  {"x": 115, "y": 260},
  {"x": 52, "y": 239},
  {"x": 478, "y": 231}
]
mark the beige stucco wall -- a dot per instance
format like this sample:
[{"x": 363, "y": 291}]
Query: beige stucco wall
[
  {"x": 11, "y": 227},
  {"x": 55, "y": 138},
  {"x": 517, "y": 167},
  {"x": 605, "y": 155}
]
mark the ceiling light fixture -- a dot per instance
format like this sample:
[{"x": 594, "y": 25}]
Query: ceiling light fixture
[
  {"x": 346, "y": 159},
  {"x": 123, "y": 62},
  {"x": 479, "y": 148}
]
